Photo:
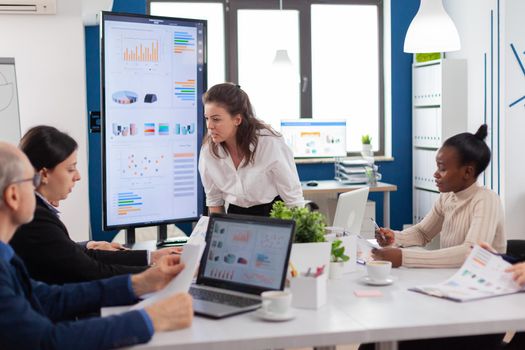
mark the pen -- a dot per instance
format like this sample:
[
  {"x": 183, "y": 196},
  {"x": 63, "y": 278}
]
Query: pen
[{"x": 377, "y": 228}]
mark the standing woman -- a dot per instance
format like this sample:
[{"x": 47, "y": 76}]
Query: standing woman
[
  {"x": 44, "y": 244},
  {"x": 244, "y": 162}
]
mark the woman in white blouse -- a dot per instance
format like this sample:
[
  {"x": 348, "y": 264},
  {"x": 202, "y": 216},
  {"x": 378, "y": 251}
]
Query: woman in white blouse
[{"x": 244, "y": 162}]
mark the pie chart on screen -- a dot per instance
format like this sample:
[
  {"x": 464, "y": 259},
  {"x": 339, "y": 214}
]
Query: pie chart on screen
[
  {"x": 124, "y": 97},
  {"x": 6, "y": 92}
]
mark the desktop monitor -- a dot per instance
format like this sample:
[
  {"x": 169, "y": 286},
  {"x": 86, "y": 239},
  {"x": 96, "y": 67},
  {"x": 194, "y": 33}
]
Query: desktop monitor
[
  {"x": 153, "y": 73},
  {"x": 313, "y": 138}
]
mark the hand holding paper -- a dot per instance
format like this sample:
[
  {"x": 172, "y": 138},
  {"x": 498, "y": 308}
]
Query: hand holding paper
[
  {"x": 157, "y": 277},
  {"x": 180, "y": 284}
]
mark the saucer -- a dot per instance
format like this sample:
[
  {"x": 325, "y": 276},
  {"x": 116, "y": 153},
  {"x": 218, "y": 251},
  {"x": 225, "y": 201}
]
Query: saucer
[
  {"x": 373, "y": 282},
  {"x": 290, "y": 315}
]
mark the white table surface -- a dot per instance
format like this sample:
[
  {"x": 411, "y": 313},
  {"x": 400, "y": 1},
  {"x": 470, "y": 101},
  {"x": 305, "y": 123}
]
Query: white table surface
[{"x": 398, "y": 315}]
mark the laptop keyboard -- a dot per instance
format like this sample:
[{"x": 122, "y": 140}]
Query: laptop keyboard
[{"x": 222, "y": 298}]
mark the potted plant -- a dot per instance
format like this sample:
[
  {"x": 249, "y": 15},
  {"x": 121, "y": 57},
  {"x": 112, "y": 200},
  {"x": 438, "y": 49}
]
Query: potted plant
[
  {"x": 310, "y": 248},
  {"x": 366, "y": 141},
  {"x": 337, "y": 259}
]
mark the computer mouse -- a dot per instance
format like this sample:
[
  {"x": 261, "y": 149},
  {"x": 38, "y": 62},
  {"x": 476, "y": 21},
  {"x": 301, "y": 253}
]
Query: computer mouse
[{"x": 312, "y": 183}]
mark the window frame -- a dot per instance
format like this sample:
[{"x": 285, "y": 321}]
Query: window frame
[{"x": 230, "y": 8}]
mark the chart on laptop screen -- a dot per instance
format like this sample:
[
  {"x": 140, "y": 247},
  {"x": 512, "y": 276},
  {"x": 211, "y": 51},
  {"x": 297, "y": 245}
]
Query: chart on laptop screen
[
  {"x": 247, "y": 253},
  {"x": 315, "y": 138}
]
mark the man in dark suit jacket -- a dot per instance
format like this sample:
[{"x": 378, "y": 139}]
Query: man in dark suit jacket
[
  {"x": 52, "y": 257},
  {"x": 34, "y": 315}
]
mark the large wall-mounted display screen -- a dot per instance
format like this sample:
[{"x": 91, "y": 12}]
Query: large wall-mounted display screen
[{"x": 153, "y": 75}]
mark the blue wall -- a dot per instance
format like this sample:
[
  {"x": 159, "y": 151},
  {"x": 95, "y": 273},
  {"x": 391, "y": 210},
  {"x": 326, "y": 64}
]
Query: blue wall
[{"x": 398, "y": 172}]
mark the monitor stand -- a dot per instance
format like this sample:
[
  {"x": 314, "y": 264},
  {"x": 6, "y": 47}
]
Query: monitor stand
[
  {"x": 162, "y": 234},
  {"x": 130, "y": 237}
]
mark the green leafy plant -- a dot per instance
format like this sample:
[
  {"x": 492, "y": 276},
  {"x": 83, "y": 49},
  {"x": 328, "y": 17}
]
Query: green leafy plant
[
  {"x": 366, "y": 139},
  {"x": 338, "y": 252},
  {"x": 309, "y": 225}
]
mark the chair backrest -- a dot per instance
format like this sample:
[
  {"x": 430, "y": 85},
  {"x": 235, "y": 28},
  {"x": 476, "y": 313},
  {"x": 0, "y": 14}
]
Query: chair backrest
[
  {"x": 516, "y": 248},
  {"x": 350, "y": 210}
]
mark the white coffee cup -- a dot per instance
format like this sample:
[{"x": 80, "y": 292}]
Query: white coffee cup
[
  {"x": 378, "y": 270},
  {"x": 276, "y": 302}
]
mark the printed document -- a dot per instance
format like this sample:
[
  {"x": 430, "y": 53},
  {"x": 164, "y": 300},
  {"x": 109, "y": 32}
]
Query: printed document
[
  {"x": 191, "y": 255},
  {"x": 481, "y": 276}
]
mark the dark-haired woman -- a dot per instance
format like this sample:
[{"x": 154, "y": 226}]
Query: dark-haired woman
[
  {"x": 465, "y": 213},
  {"x": 44, "y": 244},
  {"x": 244, "y": 162}
]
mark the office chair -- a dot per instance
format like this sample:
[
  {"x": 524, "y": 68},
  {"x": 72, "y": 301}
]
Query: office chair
[{"x": 516, "y": 248}]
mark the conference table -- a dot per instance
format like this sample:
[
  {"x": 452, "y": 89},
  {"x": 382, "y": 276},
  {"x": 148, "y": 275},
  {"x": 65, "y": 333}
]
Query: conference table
[
  {"x": 398, "y": 314},
  {"x": 333, "y": 187}
]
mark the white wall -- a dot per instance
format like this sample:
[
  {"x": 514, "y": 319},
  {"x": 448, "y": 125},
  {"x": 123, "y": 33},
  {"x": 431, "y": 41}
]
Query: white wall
[
  {"x": 515, "y": 119},
  {"x": 50, "y": 67},
  {"x": 473, "y": 20}
]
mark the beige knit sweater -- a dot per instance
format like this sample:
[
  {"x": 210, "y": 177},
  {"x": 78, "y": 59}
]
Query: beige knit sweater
[{"x": 464, "y": 218}]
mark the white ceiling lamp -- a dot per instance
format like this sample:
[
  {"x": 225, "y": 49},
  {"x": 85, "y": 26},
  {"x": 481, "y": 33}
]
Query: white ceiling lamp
[
  {"x": 281, "y": 55},
  {"x": 282, "y": 58},
  {"x": 282, "y": 65},
  {"x": 432, "y": 30}
]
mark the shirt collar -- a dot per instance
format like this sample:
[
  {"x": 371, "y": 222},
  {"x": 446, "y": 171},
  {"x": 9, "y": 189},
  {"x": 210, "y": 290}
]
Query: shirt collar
[
  {"x": 6, "y": 252},
  {"x": 46, "y": 202},
  {"x": 467, "y": 192}
]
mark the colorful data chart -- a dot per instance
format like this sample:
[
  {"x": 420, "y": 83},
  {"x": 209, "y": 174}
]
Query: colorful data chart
[
  {"x": 184, "y": 129},
  {"x": 183, "y": 42},
  {"x": 241, "y": 237},
  {"x": 272, "y": 240},
  {"x": 185, "y": 90},
  {"x": 128, "y": 202},
  {"x": 149, "y": 129},
  {"x": 164, "y": 129},
  {"x": 222, "y": 274},
  {"x": 184, "y": 173},
  {"x": 124, "y": 97},
  {"x": 141, "y": 50},
  {"x": 140, "y": 166},
  {"x": 262, "y": 260},
  {"x": 257, "y": 278}
]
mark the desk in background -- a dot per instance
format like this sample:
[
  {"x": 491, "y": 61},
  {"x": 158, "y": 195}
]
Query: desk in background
[
  {"x": 346, "y": 319},
  {"x": 333, "y": 188}
]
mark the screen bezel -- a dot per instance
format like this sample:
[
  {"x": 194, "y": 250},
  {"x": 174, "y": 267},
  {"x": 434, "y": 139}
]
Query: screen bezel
[
  {"x": 241, "y": 287},
  {"x": 105, "y": 15}
]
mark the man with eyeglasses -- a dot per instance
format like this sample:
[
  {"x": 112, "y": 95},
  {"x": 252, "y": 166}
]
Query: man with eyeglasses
[{"x": 34, "y": 315}]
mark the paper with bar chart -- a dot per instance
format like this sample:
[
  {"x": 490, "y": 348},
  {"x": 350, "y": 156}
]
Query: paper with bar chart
[{"x": 153, "y": 123}]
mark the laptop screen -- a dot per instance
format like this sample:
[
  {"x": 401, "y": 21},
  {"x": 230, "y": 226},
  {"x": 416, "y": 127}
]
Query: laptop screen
[{"x": 246, "y": 253}]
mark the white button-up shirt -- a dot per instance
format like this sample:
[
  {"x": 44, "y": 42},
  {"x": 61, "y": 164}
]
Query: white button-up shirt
[{"x": 272, "y": 172}]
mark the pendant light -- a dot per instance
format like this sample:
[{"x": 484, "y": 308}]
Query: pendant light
[
  {"x": 281, "y": 55},
  {"x": 431, "y": 30}
]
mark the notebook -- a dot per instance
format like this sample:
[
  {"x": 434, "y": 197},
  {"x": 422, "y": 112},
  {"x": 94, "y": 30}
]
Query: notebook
[{"x": 244, "y": 256}]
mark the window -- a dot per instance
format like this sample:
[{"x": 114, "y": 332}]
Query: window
[
  {"x": 335, "y": 49},
  {"x": 273, "y": 88},
  {"x": 213, "y": 13},
  {"x": 345, "y": 74}
]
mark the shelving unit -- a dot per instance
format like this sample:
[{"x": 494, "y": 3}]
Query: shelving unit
[{"x": 439, "y": 110}]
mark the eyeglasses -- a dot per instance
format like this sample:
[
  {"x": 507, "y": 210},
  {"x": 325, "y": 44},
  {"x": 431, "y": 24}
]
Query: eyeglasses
[{"x": 36, "y": 179}]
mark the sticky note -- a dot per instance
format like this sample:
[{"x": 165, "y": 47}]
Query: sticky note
[{"x": 368, "y": 293}]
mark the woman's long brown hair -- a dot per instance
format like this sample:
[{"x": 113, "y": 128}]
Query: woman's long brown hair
[{"x": 232, "y": 98}]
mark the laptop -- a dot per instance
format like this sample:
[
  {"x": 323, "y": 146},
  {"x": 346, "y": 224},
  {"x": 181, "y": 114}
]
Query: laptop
[
  {"x": 350, "y": 210},
  {"x": 244, "y": 256}
]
